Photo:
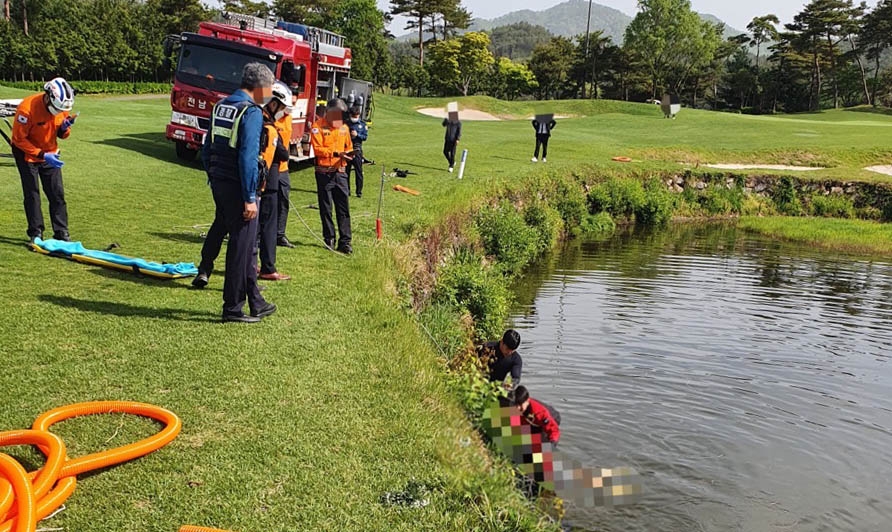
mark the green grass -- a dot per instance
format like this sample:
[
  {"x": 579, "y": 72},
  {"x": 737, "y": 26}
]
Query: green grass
[
  {"x": 856, "y": 236},
  {"x": 300, "y": 423},
  {"x": 844, "y": 142}
]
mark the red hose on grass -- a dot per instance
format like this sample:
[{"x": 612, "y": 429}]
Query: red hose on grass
[{"x": 36, "y": 495}]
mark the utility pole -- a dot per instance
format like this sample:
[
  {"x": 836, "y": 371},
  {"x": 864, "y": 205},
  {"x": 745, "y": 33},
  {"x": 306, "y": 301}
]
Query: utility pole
[{"x": 588, "y": 27}]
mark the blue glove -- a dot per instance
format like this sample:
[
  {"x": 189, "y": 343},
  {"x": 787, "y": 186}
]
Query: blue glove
[
  {"x": 53, "y": 160},
  {"x": 66, "y": 124}
]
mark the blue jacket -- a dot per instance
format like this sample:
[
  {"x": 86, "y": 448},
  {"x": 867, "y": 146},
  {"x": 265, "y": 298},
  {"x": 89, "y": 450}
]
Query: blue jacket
[
  {"x": 362, "y": 132},
  {"x": 247, "y": 146}
]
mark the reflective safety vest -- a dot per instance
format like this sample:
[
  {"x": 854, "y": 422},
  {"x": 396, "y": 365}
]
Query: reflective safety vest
[{"x": 225, "y": 121}]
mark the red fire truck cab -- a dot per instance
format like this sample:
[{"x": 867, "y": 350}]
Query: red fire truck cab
[{"x": 313, "y": 62}]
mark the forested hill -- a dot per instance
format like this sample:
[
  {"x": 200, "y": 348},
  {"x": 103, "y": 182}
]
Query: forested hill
[{"x": 568, "y": 20}]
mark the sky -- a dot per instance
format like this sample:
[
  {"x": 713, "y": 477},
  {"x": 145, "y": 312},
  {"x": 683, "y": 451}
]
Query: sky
[{"x": 737, "y": 13}]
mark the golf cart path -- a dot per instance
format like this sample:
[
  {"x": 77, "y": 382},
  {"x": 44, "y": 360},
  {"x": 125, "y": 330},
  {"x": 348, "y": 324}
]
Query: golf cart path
[{"x": 471, "y": 115}]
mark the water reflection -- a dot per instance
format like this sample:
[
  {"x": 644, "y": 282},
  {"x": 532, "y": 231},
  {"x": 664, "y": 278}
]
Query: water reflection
[{"x": 748, "y": 380}]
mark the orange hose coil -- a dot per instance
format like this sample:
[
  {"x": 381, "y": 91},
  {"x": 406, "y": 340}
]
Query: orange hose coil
[
  {"x": 24, "y": 496},
  {"x": 36, "y": 495},
  {"x": 187, "y": 528}
]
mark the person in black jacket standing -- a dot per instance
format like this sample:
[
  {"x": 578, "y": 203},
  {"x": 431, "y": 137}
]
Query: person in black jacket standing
[
  {"x": 543, "y": 124},
  {"x": 359, "y": 133},
  {"x": 453, "y": 136}
]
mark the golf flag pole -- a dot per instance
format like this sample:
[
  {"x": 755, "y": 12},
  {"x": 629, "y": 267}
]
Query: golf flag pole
[
  {"x": 464, "y": 160},
  {"x": 379, "y": 225}
]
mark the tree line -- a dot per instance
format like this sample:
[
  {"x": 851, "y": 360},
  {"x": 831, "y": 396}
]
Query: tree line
[
  {"x": 123, "y": 40},
  {"x": 833, "y": 53}
]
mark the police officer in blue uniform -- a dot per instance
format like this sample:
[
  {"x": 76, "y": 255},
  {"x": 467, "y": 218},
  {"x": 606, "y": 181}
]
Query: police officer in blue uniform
[
  {"x": 230, "y": 155},
  {"x": 359, "y": 133}
]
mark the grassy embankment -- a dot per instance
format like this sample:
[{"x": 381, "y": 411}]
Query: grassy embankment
[
  {"x": 303, "y": 421},
  {"x": 857, "y": 236}
]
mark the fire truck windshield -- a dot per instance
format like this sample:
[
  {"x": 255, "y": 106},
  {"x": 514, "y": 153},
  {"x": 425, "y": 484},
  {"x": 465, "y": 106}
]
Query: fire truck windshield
[{"x": 214, "y": 68}]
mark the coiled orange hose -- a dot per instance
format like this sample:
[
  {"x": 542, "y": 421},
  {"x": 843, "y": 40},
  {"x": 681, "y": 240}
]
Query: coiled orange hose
[
  {"x": 24, "y": 496},
  {"x": 187, "y": 528},
  {"x": 36, "y": 495}
]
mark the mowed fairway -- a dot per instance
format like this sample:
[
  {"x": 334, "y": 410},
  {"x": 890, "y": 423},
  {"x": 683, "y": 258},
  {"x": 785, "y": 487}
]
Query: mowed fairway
[{"x": 302, "y": 422}]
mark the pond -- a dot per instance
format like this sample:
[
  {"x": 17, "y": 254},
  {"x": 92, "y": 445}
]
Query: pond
[{"x": 749, "y": 381}]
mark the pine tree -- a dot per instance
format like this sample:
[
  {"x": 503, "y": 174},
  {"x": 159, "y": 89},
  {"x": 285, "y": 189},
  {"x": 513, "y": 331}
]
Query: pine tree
[{"x": 417, "y": 11}]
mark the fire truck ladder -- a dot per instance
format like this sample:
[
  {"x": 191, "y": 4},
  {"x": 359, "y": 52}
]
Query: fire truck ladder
[{"x": 315, "y": 36}]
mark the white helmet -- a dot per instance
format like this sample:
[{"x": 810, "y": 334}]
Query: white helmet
[
  {"x": 60, "y": 93},
  {"x": 282, "y": 93}
]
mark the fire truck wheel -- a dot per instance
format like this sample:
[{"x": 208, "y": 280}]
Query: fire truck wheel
[{"x": 186, "y": 153}]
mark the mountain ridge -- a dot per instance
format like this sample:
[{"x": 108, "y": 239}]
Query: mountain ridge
[{"x": 568, "y": 19}]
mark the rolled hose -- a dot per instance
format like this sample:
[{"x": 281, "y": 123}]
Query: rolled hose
[
  {"x": 188, "y": 528},
  {"x": 36, "y": 495}
]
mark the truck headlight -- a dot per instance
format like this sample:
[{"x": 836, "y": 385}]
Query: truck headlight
[{"x": 184, "y": 120}]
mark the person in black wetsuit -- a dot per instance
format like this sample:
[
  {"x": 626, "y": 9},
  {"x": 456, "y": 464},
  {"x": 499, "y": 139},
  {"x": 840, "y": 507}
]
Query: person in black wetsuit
[{"x": 503, "y": 359}]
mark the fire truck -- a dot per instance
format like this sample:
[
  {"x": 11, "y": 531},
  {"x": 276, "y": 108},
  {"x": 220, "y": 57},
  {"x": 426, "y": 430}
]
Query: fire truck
[{"x": 314, "y": 62}]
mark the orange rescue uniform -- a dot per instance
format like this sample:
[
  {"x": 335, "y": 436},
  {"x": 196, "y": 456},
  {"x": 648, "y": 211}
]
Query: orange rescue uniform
[
  {"x": 35, "y": 129},
  {"x": 326, "y": 142},
  {"x": 268, "y": 152},
  {"x": 285, "y": 127}
]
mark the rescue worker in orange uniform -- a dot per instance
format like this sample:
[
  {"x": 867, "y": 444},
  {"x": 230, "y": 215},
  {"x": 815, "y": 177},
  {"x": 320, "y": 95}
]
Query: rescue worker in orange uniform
[
  {"x": 274, "y": 153},
  {"x": 333, "y": 148},
  {"x": 40, "y": 120},
  {"x": 285, "y": 126}
]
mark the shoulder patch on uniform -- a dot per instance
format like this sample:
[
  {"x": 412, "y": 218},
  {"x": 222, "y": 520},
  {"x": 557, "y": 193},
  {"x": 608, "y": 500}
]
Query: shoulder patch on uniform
[
  {"x": 22, "y": 119},
  {"x": 315, "y": 130}
]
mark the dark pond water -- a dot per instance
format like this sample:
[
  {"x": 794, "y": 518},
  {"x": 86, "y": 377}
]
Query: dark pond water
[{"x": 748, "y": 380}]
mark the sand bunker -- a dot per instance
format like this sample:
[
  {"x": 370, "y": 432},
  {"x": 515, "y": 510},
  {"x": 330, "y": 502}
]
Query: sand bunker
[
  {"x": 464, "y": 114},
  {"x": 885, "y": 170},
  {"x": 763, "y": 167}
]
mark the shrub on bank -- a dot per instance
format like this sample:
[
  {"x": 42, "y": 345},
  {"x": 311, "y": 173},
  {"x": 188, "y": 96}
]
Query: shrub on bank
[
  {"x": 720, "y": 200},
  {"x": 619, "y": 197},
  {"x": 570, "y": 202},
  {"x": 887, "y": 211},
  {"x": 97, "y": 87},
  {"x": 467, "y": 284},
  {"x": 598, "y": 223},
  {"x": 547, "y": 222},
  {"x": 786, "y": 197},
  {"x": 507, "y": 237},
  {"x": 832, "y": 206},
  {"x": 658, "y": 206}
]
